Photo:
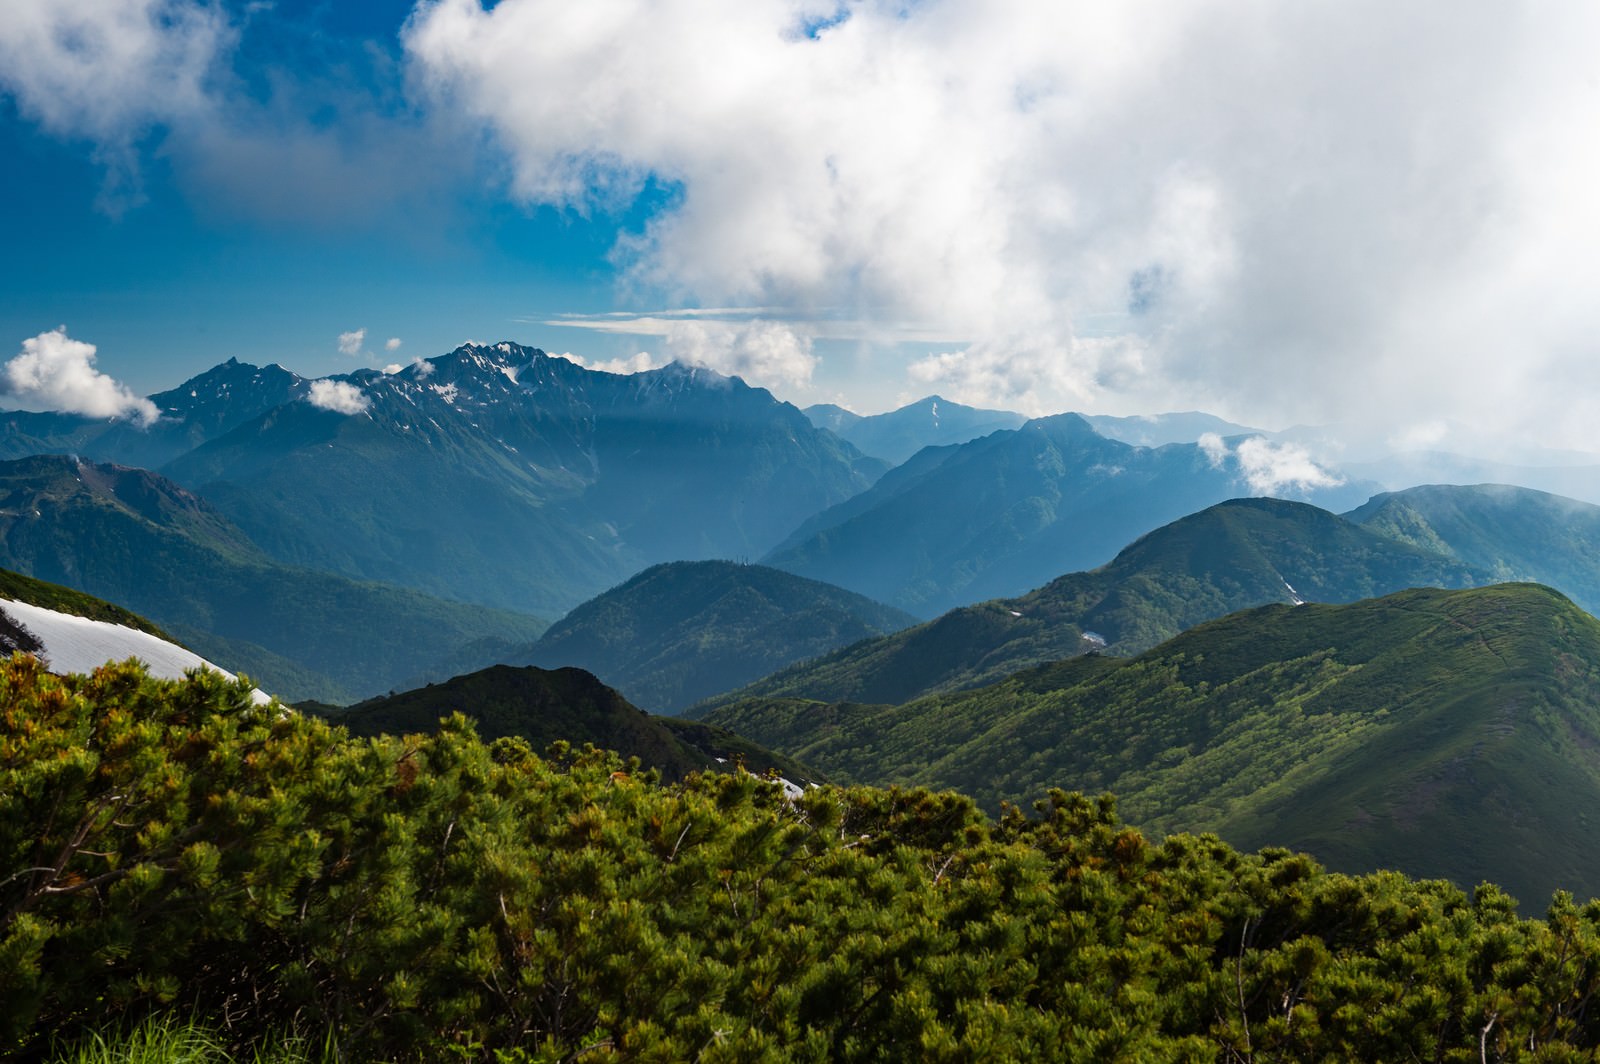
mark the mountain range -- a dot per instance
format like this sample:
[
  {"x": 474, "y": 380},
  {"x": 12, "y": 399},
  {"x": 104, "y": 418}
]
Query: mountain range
[
  {"x": 1234, "y": 555},
  {"x": 1012, "y": 510},
  {"x": 1442, "y": 733},
  {"x": 494, "y": 474},
  {"x": 898, "y": 434}
]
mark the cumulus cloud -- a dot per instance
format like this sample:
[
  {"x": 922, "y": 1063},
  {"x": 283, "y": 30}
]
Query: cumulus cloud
[
  {"x": 56, "y": 372},
  {"x": 341, "y": 397},
  {"x": 350, "y": 343},
  {"x": 423, "y": 366},
  {"x": 196, "y": 82},
  {"x": 1269, "y": 468},
  {"x": 392, "y": 344},
  {"x": 1311, "y": 209},
  {"x": 764, "y": 353},
  {"x": 1215, "y": 450}
]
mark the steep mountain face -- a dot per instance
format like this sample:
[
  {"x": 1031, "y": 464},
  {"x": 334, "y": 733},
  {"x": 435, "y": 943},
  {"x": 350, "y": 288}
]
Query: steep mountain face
[
  {"x": 563, "y": 705},
  {"x": 1007, "y": 512},
  {"x": 1511, "y": 533},
  {"x": 502, "y": 475},
  {"x": 899, "y": 434},
  {"x": 681, "y": 631},
  {"x": 133, "y": 537},
  {"x": 1446, "y": 734},
  {"x": 1237, "y": 554},
  {"x": 199, "y": 409}
]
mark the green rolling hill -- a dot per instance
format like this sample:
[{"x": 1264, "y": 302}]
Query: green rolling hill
[
  {"x": 682, "y": 631},
  {"x": 1449, "y": 734},
  {"x": 1509, "y": 532},
  {"x": 1246, "y": 552}
]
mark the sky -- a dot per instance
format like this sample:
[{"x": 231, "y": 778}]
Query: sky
[{"x": 1326, "y": 211}]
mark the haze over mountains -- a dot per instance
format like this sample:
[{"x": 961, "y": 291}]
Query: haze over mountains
[
  {"x": 139, "y": 540},
  {"x": 1009, "y": 511}
]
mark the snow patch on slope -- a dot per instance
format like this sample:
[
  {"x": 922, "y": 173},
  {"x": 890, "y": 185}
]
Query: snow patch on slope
[{"x": 78, "y": 644}]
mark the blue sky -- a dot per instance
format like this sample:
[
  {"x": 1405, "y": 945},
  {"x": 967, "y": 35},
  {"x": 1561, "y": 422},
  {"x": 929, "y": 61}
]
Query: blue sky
[{"x": 1297, "y": 213}]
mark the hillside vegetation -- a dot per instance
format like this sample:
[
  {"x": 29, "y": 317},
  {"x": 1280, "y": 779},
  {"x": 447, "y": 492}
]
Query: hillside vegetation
[
  {"x": 1237, "y": 554},
  {"x": 680, "y": 632},
  {"x": 170, "y": 848},
  {"x": 1443, "y": 733},
  {"x": 1511, "y": 533}
]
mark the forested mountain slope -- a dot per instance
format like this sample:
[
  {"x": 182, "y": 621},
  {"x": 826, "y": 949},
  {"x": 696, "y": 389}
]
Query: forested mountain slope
[
  {"x": 1240, "y": 553},
  {"x": 681, "y": 631},
  {"x": 1443, "y": 733}
]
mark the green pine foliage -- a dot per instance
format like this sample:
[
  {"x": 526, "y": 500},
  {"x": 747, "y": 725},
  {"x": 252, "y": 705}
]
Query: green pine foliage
[{"x": 171, "y": 849}]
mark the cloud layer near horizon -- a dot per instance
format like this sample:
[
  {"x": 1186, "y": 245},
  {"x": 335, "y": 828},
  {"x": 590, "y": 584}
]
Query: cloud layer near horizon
[
  {"x": 1310, "y": 207},
  {"x": 1284, "y": 212}
]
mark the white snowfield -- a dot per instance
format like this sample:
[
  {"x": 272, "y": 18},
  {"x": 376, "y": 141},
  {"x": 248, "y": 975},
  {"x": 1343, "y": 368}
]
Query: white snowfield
[{"x": 78, "y": 644}]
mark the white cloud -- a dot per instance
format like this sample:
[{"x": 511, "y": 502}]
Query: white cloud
[
  {"x": 56, "y": 372},
  {"x": 423, "y": 366},
  {"x": 350, "y": 343},
  {"x": 392, "y": 368},
  {"x": 110, "y": 70},
  {"x": 392, "y": 344},
  {"x": 1309, "y": 209},
  {"x": 640, "y": 362},
  {"x": 763, "y": 353},
  {"x": 1271, "y": 468},
  {"x": 341, "y": 397},
  {"x": 1215, "y": 450}
]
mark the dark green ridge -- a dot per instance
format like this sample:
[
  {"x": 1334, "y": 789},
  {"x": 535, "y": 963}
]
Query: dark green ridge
[
  {"x": 681, "y": 631},
  {"x": 1512, "y": 533},
  {"x": 1237, "y": 554},
  {"x": 1447, "y": 734},
  {"x": 564, "y": 705}
]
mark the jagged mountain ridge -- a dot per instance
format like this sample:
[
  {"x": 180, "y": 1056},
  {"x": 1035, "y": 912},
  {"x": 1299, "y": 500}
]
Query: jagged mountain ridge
[{"x": 504, "y": 475}]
